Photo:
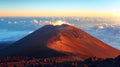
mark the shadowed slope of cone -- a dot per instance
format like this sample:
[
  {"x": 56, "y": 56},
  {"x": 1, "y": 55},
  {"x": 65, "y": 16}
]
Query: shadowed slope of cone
[
  {"x": 60, "y": 41},
  {"x": 35, "y": 44}
]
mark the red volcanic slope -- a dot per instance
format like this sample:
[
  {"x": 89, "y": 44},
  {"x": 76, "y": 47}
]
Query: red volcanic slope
[
  {"x": 75, "y": 41},
  {"x": 60, "y": 40}
]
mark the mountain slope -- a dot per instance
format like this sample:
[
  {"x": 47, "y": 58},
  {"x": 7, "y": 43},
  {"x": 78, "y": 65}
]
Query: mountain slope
[
  {"x": 58, "y": 41},
  {"x": 75, "y": 41}
]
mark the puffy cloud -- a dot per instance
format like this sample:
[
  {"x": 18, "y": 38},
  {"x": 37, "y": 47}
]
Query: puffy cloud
[
  {"x": 9, "y": 22},
  {"x": 35, "y": 21}
]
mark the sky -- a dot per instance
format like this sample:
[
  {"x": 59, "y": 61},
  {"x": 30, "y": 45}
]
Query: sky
[{"x": 59, "y": 8}]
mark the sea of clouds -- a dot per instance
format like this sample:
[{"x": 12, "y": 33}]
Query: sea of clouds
[{"x": 105, "y": 29}]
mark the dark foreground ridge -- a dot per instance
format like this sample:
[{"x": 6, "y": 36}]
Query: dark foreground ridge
[{"x": 67, "y": 61}]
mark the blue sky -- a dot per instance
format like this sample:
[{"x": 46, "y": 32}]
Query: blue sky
[{"x": 55, "y": 6}]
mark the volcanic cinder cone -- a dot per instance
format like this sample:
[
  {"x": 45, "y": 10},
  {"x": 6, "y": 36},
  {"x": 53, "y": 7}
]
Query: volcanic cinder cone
[{"x": 58, "y": 41}]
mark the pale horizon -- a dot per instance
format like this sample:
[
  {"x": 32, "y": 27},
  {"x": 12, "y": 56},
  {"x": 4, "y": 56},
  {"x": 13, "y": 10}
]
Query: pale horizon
[{"x": 82, "y": 8}]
